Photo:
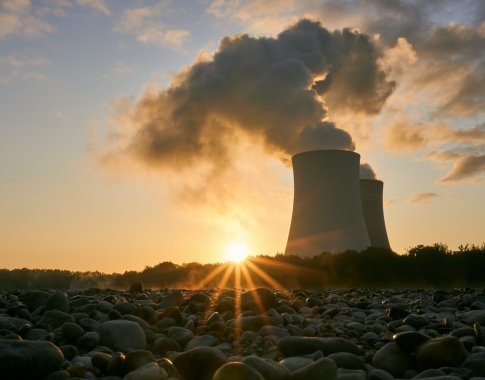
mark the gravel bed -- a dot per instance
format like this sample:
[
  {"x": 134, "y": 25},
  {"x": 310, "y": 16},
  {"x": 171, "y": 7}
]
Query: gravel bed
[{"x": 261, "y": 334}]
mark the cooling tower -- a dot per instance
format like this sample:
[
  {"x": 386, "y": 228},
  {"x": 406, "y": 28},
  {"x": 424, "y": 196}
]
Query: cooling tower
[
  {"x": 371, "y": 195},
  {"x": 327, "y": 210}
]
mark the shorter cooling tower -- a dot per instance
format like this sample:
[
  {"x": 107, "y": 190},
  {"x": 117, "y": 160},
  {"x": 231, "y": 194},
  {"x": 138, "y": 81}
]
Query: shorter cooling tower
[
  {"x": 371, "y": 195},
  {"x": 327, "y": 211}
]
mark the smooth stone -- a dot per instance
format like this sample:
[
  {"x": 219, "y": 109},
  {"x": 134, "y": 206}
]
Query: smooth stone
[
  {"x": 347, "y": 360},
  {"x": 72, "y": 331},
  {"x": 379, "y": 374},
  {"x": 409, "y": 340},
  {"x": 28, "y": 359},
  {"x": 116, "y": 365},
  {"x": 57, "y": 301},
  {"x": 294, "y": 363},
  {"x": 172, "y": 312},
  {"x": 121, "y": 335},
  {"x": 252, "y": 322},
  {"x": 273, "y": 330},
  {"x": 14, "y": 324},
  {"x": 292, "y": 345},
  {"x": 124, "y": 308},
  {"x": 432, "y": 372},
  {"x": 323, "y": 368},
  {"x": 237, "y": 371},
  {"x": 441, "y": 351},
  {"x": 100, "y": 360},
  {"x": 202, "y": 340},
  {"x": 174, "y": 298},
  {"x": 269, "y": 369},
  {"x": 180, "y": 334},
  {"x": 55, "y": 318},
  {"x": 391, "y": 358},
  {"x": 34, "y": 299},
  {"x": 476, "y": 362},
  {"x": 149, "y": 371},
  {"x": 136, "y": 287},
  {"x": 137, "y": 358},
  {"x": 261, "y": 299},
  {"x": 89, "y": 340},
  {"x": 69, "y": 351},
  {"x": 200, "y": 363},
  {"x": 474, "y": 316},
  {"x": 58, "y": 375},
  {"x": 415, "y": 320},
  {"x": 351, "y": 374},
  {"x": 164, "y": 344}
]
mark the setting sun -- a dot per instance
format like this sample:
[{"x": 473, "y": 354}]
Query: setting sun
[{"x": 236, "y": 252}]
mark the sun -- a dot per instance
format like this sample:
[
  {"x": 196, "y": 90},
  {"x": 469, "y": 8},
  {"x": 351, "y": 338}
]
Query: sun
[{"x": 236, "y": 252}]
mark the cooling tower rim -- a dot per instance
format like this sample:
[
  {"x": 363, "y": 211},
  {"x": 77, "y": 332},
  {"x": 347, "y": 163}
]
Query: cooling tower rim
[
  {"x": 371, "y": 180},
  {"x": 337, "y": 151}
]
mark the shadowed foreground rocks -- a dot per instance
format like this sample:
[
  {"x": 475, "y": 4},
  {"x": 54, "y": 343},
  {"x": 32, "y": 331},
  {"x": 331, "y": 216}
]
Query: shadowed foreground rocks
[{"x": 262, "y": 334}]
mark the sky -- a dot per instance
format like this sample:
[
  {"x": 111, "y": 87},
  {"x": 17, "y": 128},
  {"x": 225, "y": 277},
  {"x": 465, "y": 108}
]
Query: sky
[{"x": 137, "y": 132}]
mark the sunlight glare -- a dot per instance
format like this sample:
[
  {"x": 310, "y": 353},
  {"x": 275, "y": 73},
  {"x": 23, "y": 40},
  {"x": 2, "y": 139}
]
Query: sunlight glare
[{"x": 236, "y": 252}]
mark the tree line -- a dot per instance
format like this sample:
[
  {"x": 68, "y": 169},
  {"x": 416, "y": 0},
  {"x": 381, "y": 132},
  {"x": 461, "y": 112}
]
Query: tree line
[{"x": 421, "y": 266}]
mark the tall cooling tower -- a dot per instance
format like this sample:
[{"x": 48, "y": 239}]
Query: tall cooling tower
[
  {"x": 371, "y": 195},
  {"x": 327, "y": 210}
]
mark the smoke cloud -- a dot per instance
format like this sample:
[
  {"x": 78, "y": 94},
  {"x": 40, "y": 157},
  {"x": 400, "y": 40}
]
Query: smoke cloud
[
  {"x": 274, "y": 91},
  {"x": 366, "y": 172}
]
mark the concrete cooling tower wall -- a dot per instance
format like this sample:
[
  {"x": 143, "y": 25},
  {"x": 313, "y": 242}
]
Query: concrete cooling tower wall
[
  {"x": 371, "y": 195},
  {"x": 327, "y": 211}
]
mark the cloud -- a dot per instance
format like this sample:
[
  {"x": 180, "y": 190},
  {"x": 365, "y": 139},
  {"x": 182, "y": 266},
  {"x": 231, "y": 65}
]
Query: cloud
[
  {"x": 145, "y": 24},
  {"x": 422, "y": 197},
  {"x": 97, "y": 5},
  {"x": 17, "y": 17},
  {"x": 265, "y": 90},
  {"x": 121, "y": 69},
  {"x": 467, "y": 168}
]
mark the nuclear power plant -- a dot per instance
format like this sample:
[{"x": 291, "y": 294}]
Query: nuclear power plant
[{"x": 333, "y": 209}]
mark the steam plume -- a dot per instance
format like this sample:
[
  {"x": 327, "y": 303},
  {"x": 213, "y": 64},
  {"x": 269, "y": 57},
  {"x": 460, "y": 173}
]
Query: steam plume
[{"x": 272, "y": 90}]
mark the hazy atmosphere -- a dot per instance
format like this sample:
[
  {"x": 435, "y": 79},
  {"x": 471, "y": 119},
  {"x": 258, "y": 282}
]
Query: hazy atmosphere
[{"x": 136, "y": 132}]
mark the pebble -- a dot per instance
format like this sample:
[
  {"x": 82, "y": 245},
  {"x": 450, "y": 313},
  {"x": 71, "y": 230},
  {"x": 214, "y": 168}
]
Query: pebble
[
  {"x": 237, "y": 371},
  {"x": 323, "y": 368},
  {"x": 121, "y": 335},
  {"x": 441, "y": 351}
]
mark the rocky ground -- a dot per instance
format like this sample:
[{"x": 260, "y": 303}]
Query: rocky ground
[{"x": 296, "y": 335}]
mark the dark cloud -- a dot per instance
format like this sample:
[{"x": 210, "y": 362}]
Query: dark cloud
[
  {"x": 266, "y": 89},
  {"x": 467, "y": 168},
  {"x": 421, "y": 197}
]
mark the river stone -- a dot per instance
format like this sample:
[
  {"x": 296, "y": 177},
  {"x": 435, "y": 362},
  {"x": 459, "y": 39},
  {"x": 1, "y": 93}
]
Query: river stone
[
  {"x": 431, "y": 372},
  {"x": 474, "y": 316},
  {"x": 57, "y": 301},
  {"x": 28, "y": 360},
  {"x": 323, "y": 368},
  {"x": 294, "y": 363},
  {"x": 180, "y": 334},
  {"x": 149, "y": 371},
  {"x": 88, "y": 340},
  {"x": 202, "y": 340},
  {"x": 164, "y": 344},
  {"x": 267, "y": 368},
  {"x": 292, "y": 345},
  {"x": 476, "y": 362},
  {"x": 35, "y": 298},
  {"x": 14, "y": 324},
  {"x": 273, "y": 330},
  {"x": 55, "y": 318},
  {"x": 200, "y": 363},
  {"x": 137, "y": 358},
  {"x": 237, "y": 371},
  {"x": 252, "y": 322},
  {"x": 121, "y": 335},
  {"x": 72, "y": 331},
  {"x": 391, "y": 358},
  {"x": 260, "y": 299},
  {"x": 440, "y": 352},
  {"x": 409, "y": 340},
  {"x": 379, "y": 374},
  {"x": 347, "y": 360},
  {"x": 173, "y": 298},
  {"x": 58, "y": 375}
]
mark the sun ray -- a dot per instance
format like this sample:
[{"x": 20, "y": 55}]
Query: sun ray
[
  {"x": 257, "y": 299},
  {"x": 212, "y": 274},
  {"x": 265, "y": 277}
]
